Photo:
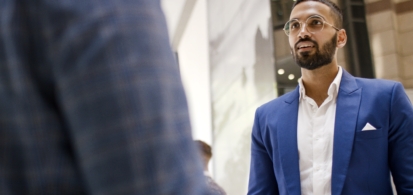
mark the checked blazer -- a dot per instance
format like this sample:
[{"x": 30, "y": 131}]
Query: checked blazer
[{"x": 91, "y": 101}]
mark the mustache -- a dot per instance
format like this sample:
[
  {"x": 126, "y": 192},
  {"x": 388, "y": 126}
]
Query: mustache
[{"x": 305, "y": 39}]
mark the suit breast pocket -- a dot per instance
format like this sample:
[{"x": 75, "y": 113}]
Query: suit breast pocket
[{"x": 371, "y": 134}]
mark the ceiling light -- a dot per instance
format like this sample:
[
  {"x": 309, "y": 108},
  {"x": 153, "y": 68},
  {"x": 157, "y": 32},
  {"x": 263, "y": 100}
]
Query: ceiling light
[{"x": 281, "y": 71}]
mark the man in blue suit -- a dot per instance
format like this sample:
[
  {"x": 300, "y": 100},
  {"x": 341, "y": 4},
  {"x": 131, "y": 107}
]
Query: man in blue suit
[
  {"x": 91, "y": 101},
  {"x": 334, "y": 134}
]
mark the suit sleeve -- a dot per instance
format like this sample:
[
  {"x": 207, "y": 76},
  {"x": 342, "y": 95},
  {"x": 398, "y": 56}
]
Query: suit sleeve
[
  {"x": 262, "y": 179},
  {"x": 401, "y": 141},
  {"x": 121, "y": 97}
]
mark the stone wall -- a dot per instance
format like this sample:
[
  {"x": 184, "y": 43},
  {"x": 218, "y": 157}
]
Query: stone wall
[{"x": 391, "y": 36}]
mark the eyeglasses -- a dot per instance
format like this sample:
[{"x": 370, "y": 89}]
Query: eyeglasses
[{"x": 313, "y": 24}]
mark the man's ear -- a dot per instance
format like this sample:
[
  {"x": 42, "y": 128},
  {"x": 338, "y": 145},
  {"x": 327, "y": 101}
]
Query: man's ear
[{"x": 341, "y": 38}]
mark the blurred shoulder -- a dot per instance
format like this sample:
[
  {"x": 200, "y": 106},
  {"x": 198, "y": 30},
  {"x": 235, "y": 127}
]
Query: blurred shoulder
[{"x": 279, "y": 103}]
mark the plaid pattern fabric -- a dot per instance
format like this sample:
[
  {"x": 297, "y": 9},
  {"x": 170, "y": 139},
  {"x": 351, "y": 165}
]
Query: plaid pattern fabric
[
  {"x": 91, "y": 101},
  {"x": 213, "y": 186}
]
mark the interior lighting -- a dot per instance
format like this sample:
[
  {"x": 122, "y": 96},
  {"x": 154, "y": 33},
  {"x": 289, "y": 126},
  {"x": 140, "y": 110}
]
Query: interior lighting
[{"x": 281, "y": 71}]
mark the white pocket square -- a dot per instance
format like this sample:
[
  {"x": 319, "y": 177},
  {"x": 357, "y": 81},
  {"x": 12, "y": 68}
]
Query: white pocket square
[{"x": 368, "y": 127}]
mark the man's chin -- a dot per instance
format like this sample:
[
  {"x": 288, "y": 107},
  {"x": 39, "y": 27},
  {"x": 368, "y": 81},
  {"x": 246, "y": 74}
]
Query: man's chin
[
  {"x": 306, "y": 59},
  {"x": 304, "y": 53},
  {"x": 311, "y": 65}
]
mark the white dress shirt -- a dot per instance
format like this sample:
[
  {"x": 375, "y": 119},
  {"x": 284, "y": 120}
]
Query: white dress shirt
[{"x": 315, "y": 135}]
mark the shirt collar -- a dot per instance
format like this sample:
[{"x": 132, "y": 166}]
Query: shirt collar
[{"x": 332, "y": 90}]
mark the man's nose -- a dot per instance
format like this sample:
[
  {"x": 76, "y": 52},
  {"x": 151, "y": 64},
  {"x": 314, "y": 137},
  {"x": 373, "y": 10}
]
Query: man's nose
[{"x": 303, "y": 32}]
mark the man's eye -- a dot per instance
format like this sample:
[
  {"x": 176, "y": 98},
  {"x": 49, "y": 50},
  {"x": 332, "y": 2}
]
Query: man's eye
[
  {"x": 295, "y": 25},
  {"x": 316, "y": 22}
]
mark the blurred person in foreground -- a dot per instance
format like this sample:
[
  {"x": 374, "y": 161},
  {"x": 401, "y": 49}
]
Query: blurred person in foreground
[
  {"x": 91, "y": 101},
  {"x": 205, "y": 151},
  {"x": 335, "y": 133}
]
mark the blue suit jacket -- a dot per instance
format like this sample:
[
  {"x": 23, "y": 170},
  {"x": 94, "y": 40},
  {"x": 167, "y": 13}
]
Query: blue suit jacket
[
  {"x": 362, "y": 160},
  {"x": 91, "y": 101}
]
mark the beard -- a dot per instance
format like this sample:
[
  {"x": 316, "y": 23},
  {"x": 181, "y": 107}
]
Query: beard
[{"x": 320, "y": 58}]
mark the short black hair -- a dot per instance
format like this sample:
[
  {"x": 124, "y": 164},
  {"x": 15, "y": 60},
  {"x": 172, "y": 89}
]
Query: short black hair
[{"x": 335, "y": 11}]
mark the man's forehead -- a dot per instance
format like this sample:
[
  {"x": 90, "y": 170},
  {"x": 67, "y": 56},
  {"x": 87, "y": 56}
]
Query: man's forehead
[{"x": 306, "y": 9}]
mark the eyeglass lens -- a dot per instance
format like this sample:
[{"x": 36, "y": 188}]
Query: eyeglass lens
[{"x": 313, "y": 25}]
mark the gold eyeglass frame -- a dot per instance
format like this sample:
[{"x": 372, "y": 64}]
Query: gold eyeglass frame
[{"x": 305, "y": 24}]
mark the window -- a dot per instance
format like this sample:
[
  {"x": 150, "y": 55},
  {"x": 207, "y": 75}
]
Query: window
[
  {"x": 357, "y": 49},
  {"x": 286, "y": 71}
]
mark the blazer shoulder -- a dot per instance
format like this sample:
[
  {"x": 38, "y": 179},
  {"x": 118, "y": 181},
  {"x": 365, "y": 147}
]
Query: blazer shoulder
[
  {"x": 377, "y": 85},
  {"x": 277, "y": 103},
  {"x": 381, "y": 82}
]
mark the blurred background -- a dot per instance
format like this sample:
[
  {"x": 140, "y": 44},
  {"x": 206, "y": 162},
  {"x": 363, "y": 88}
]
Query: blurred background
[{"x": 234, "y": 56}]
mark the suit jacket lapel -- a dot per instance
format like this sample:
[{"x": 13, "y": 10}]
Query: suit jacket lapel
[
  {"x": 287, "y": 143},
  {"x": 348, "y": 103}
]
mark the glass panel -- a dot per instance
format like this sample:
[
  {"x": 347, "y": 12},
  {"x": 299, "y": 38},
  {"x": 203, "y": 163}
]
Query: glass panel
[
  {"x": 363, "y": 45},
  {"x": 358, "y": 53},
  {"x": 286, "y": 70},
  {"x": 358, "y": 11},
  {"x": 281, "y": 10}
]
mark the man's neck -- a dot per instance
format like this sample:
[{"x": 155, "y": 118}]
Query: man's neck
[{"x": 317, "y": 82}]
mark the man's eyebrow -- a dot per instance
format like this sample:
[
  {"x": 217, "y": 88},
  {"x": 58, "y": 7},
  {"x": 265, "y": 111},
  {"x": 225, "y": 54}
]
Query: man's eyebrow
[
  {"x": 318, "y": 16},
  {"x": 310, "y": 16}
]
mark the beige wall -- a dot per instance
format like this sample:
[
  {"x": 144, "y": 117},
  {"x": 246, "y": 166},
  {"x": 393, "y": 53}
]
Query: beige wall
[
  {"x": 391, "y": 36},
  {"x": 410, "y": 94}
]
